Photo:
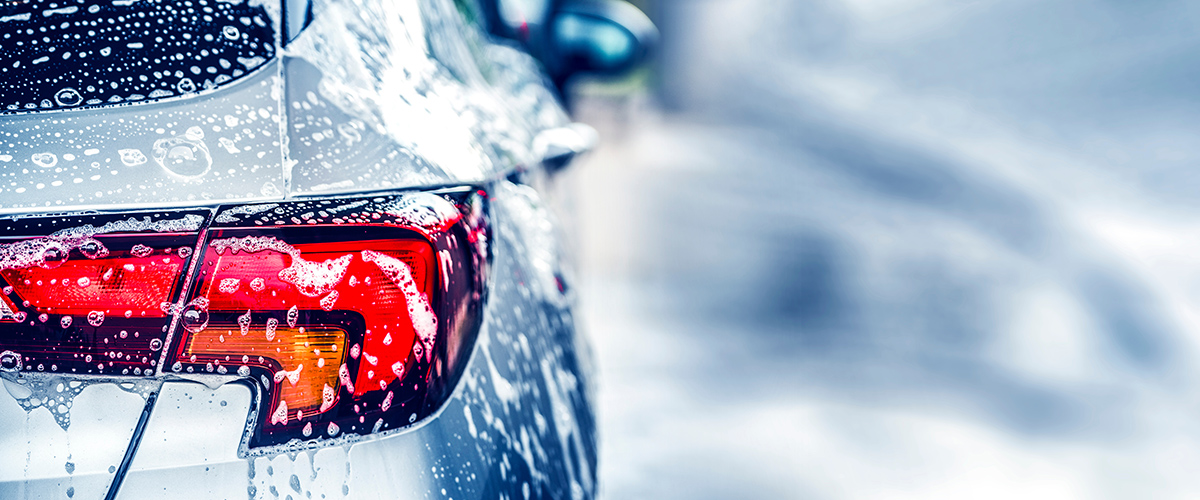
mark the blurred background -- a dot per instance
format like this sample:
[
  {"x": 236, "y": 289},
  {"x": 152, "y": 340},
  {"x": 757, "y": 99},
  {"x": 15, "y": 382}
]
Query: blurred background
[{"x": 897, "y": 249}]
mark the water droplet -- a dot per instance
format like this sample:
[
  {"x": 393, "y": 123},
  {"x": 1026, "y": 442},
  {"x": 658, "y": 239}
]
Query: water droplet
[
  {"x": 53, "y": 257},
  {"x": 195, "y": 318},
  {"x": 68, "y": 97},
  {"x": 95, "y": 318},
  {"x": 229, "y": 285},
  {"x": 132, "y": 157},
  {"x": 244, "y": 323},
  {"x": 10, "y": 361},
  {"x": 328, "y": 301},
  {"x": 65, "y": 321},
  {"x": 231, "y": 32},
  {"x": 83, "y": 282},
  {"x": 258, "y": 284},
  {"x": 45, "y": 160},
  {"x": 155, "y": 344},
  {"x": 387, "y": 402},
  {"x": 244, "y": 371},
  {"x": 269, "y": 189},
  {"x": 140, "y": 250},
  {"x": 349, "y": 133},
  {"x": 183, "y": 156},
  {"x": 292, "y": 315},
  {"x": 93, "y": 249},
  {"x": 271, "y": 324},
  {"x": 194, "y": 133},
  {"x": 185, "y": 85}
]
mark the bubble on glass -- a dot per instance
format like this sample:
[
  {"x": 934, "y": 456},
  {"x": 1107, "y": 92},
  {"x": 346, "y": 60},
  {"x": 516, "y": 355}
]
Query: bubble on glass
[
  {"x": 194, "y": 133},
  {"x": 68, "y": 97},
  {"x": 270, "y": 190},
  {"x": 228, "y": 145},
  {"x": 132, "y": 157},
  {"x": 182, "y": 156},
  {"x": 251, "y": 62}
]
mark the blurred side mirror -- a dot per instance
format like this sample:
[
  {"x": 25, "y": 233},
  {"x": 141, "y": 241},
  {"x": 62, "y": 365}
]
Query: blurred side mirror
[{"x": 599, "y": 37}]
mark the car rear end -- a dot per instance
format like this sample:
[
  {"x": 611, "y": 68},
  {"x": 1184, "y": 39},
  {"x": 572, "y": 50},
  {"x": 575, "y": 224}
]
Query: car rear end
[{"x": 234, "y": 264}]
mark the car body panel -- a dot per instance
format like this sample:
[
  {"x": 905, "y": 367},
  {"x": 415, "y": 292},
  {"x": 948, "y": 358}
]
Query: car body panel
[
  {"x": 42, "y": 459},
  {"x": 222, "y": 145}
]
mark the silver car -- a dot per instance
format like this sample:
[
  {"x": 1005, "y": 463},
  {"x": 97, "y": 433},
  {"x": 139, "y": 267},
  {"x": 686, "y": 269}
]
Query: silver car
[{"x": 295, "y": 250}]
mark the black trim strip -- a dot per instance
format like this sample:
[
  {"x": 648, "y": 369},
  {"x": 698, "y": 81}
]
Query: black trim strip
[{"x": 133, "y": 446}]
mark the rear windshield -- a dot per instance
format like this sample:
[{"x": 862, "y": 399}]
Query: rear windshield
[{"x": 88, "y": 53}]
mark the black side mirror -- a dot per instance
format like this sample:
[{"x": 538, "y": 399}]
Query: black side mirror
[{"x": 599, "y": 37}]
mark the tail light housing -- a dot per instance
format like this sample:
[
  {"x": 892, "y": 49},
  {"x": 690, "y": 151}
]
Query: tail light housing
[{"x": 350, "y": 316}]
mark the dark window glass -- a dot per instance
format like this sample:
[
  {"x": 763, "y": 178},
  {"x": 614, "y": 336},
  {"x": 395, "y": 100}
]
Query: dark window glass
[{"x": 57, "y": 54}]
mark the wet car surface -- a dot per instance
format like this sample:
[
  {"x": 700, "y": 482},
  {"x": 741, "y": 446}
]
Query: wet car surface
[{"x": 302, "y": 254}]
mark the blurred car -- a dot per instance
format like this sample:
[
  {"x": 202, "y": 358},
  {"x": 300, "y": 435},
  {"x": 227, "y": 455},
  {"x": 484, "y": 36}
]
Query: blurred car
[{"x": 293, "y": 249}]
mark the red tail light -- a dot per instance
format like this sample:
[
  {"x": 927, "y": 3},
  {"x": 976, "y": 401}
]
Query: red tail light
[
  {"x": 91, "y": 299},
  {"x": 349, "y": 316}
]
